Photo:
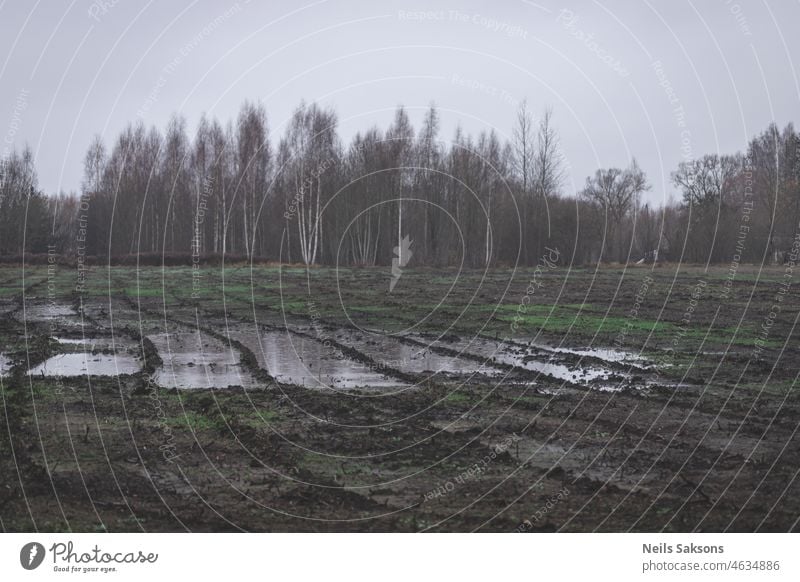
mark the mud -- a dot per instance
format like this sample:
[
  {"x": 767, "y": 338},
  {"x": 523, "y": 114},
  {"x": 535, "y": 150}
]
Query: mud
[
  {"x": 554, "y": 364},
  {"x": 702, "y": 436}
]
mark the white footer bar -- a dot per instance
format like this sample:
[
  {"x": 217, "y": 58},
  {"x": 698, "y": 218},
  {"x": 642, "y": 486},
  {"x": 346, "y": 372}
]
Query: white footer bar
[{"x": 378, "y": 557}]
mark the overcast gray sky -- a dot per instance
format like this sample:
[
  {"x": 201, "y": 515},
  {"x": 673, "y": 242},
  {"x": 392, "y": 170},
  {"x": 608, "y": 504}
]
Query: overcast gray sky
[{"x": 660, "y": 81}]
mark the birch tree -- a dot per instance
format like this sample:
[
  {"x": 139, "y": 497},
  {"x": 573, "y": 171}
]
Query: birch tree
[
  {"x": 400, "y": 143},
  {"x": 310, "y": 150}
]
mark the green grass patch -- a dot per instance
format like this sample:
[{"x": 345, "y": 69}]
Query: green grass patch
[
  {"x": 458, "y": 398},
  {"x": 194, "y": 421},
  {"x": 372, "y": 308}
]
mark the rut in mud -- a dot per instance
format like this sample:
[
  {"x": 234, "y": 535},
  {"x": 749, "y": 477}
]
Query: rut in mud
[{"x": 268, "y": 417}]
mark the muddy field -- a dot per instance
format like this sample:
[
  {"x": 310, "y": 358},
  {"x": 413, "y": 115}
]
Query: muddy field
[{"x": 265, "y": 398}]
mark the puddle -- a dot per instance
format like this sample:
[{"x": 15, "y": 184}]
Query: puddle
[
  {"x": 5, "y": 365},
  {"x": 68, "y": 341},
  {"x": 53, "y": 314},
  {"x": 93, "y": 356},
  {"x": 562, "y": 372},
  {"x": 529, "y": 359},
  {"x": 389, "y": 352},
  {"x": 196, "y": 360},
  {"x": 82, "y": 364},
  {"x": 605, "y": 354},
  {"x": 307, "y": 362},
  {"x": 301, "y": 361}
]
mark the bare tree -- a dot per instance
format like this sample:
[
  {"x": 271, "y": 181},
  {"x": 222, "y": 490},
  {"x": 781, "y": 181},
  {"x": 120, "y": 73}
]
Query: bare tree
[
  {"x": 175, "y": 173},
  {"x": 703, "y": 181},
  {"x": 23, "y": 210},
  {"x": 253, "y": 157},
  {"x": 548, "y": 166},
  {"x": 548, "y": 175},
  {"x": 93, "y": 166},
  {"x": 63, "y": 212},
  {"x": 400, "y": 142},
  {"x": 309, "y": 152},
  {"x": 614, "y": 193},
  {"x": 524, "y": 139},
  {"x": 140, "y": 190},
  {"x": 428, "y": 185},
  {"x": 490, "y": 178},
  {"x": 364, "y": 164}
]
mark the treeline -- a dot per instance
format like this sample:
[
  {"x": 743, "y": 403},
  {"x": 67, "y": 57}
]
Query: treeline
[{"x": 308, "y": 197}]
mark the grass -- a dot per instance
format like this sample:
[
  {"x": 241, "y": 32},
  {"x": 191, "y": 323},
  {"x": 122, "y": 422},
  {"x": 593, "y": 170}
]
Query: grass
[
  {"x": 371, "y": 308},
  {"x": 554, "y": 310},
  {"x": 458, "y": 398},
  {"x": 194, "y": 421}
]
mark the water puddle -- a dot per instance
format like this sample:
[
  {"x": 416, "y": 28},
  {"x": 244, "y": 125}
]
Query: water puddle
[
  {"x": 196, "y": 360},
  {"x": 389, "y": 352},
  {"x": 83, "y": 364},
  {"x": 68, "y": 341},
  {"x": 302, "y": 361},
  {"x": 529, "y": 358},
  {"x": 98, "y": 356},
  {"x": 309, "y": 362},
  {"x": 53, "y": 314},
  {"x": 605, "y": 354},
  {"x": 562, "y": 372},
  {"x": 5, "y": 365}
]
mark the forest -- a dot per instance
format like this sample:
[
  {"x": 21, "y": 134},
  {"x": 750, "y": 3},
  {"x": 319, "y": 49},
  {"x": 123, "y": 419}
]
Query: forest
[{"x": 308, "y": 197}]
